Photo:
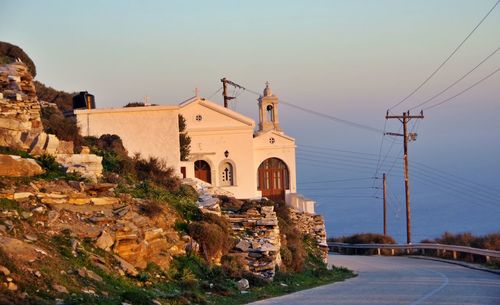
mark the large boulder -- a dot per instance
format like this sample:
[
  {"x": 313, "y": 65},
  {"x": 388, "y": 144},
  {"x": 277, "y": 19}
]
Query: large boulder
[{"x": 15, "y": 166}]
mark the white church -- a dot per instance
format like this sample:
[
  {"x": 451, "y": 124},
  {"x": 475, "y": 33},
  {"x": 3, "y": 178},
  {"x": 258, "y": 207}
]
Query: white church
[{"x": 227, "y": 151}]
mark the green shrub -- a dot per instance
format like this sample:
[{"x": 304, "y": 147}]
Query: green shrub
[
  {"x": 10, "y": 151},
  {"x": 9, "y": 204},
  {"x": 181, "y": 226},
  {"x": 48, "y": 163},
  {"x": 137, "y": 296}
]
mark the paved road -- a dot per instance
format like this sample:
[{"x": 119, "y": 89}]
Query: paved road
[{"x": 400, "y": 280}]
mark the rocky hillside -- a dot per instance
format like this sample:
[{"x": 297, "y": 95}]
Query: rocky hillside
[{"x": 100, "y": 227}]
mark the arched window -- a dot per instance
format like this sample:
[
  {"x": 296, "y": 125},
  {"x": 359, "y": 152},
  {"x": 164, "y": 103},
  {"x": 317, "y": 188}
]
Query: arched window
[{"x": 227, "y": 174}]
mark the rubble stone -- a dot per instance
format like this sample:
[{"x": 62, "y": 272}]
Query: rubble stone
[
  {"x": 15, "y": 166},
  {"x": 105, "y": 241}
]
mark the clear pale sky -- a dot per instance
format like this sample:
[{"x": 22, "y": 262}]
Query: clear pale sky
[{"x": 349, "y": 59}]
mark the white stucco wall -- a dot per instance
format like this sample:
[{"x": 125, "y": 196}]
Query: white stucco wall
[
  {"x": 221, "y": 130},
  {"x": 150, "y": 131},
  {"x": 283, "y": 148}
]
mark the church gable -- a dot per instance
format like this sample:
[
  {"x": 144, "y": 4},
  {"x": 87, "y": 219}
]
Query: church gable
[
  {"x": 203, "y": 114},
  {"x": 273, "y": 139}
]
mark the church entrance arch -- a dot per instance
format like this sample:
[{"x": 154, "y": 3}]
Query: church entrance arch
[
  {"x": 202, "y": 171},
  {"x": 273, "y": 179}
]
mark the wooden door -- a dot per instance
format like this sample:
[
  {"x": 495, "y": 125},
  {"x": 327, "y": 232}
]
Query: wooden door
[
  {"x": 202, "y": 171},
  {"x": 273, "y": 179},
  {"x": 272, "y": 184}
]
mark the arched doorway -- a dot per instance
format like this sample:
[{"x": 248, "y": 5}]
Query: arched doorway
[
  {"x": 202, "y": 171},
  {"x": 273, "y": 179}
]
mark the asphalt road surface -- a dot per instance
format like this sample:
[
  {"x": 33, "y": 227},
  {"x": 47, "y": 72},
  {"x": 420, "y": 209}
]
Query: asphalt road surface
[{"x": 400, "y": 280}]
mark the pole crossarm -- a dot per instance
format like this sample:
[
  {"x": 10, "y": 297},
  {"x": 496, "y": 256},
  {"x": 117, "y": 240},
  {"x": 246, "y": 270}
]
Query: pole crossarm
[
  {"x": 227, "y": 98},
  {"x": 394, "y": 134}
]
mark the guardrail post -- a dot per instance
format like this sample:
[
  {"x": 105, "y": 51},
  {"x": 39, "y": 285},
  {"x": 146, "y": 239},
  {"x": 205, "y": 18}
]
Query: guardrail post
[
  {"x": 454, "y": 254},
  {"x": 392, "y": 252},
  {"x": 422, "y": 251},
  {"x": 378, "y": 251},
  {"x": 487, "y": 258}
]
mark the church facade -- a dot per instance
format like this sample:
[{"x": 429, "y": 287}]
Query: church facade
[{"x": 228, "y": 149}]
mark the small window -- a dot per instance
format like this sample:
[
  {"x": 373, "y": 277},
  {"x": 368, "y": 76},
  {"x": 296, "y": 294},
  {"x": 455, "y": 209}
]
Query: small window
[
  {"x": 199, "y": 117},
  {"x": 227, "y": 174},
  {"x": 272, "y": 140}
]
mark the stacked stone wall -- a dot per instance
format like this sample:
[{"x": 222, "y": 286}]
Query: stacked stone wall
[{"x": 312, "y": 225}]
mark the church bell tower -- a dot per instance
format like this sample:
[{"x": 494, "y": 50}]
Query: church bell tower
[{"x": 268, "y": 111}]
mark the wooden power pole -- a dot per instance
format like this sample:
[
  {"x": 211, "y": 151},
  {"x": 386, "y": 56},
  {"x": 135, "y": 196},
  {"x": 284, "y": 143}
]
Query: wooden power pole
[
  {"x": 404, "y": 119},
  {"x": 227, "y": 98},
  {"x": 385, "y": 204}
]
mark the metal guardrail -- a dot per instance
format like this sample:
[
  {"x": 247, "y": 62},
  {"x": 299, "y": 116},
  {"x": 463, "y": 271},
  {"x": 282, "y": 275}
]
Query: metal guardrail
[{"x": 411, "y": 248}]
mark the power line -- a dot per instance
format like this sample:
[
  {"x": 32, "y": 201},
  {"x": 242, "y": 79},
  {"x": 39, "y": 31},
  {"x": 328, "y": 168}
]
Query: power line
[
  {"x": 326, "y": 116},
  {"x": 463, "y": 91},
  {"x": 361, "y": 161},
  {"x": 322, "y": 148},
  {"x": 447, "y": 59},
  {"x": 457, "y": 81},
  {"x": 212, "y": 95},
  {"x": 330, "y": 117},
  {"x": 337, "y": 189},
  {"x": 334, "y": 181}
]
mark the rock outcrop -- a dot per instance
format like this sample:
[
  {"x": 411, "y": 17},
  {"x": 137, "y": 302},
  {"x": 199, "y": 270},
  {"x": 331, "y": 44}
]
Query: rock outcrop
[
  {"x": 116, "y": 224},
  {"x": 15, "y": 166},
  {"x": 21, "y": 124}
]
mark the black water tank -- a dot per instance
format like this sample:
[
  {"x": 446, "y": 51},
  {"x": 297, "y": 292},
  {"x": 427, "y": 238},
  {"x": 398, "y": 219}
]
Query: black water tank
[{"x": 83, "y": 100}]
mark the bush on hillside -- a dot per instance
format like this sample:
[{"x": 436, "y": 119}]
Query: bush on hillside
[
  {"x": 150, "y": 208},
  {"x": 489, "y": 241},
  {"x": 156, "y": 170},
  {"x": 117, "y": 161},
  {"x": 293, "y": 251},
  {"x": 230, "y": 203},
  {"x": 62, "y": 99},
  {"x": 365, "y": 238},
  {"x": 54, "y": 122},
  {"x": 213, "y": 233}
]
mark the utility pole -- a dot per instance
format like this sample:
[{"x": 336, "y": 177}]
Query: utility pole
[
  {"x": 404, "y": 119},
  {"x": 385, "y": 204},
  {"x": 227, "y": 98}
]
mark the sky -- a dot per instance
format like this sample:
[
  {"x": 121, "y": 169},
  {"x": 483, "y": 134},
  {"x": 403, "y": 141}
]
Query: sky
[{"x": 348, "y": 59}]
